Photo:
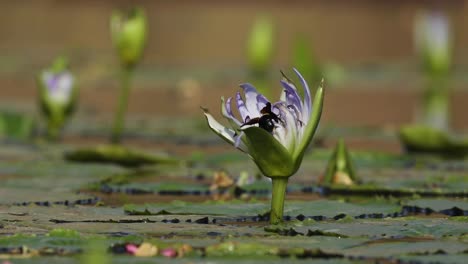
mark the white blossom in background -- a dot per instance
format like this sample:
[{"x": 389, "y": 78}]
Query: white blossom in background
[{"x": 433, "y": 39}]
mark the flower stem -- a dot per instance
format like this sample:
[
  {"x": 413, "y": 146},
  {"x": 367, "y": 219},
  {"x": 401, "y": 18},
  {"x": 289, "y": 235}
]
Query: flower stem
[
  {"x": 436, "y": 103},
  {"x": 53, "y": 130},
  {"x": 277, "y": 199},
  {"x": 55, "y": 122},
  {"x": 125, "y": 75}
]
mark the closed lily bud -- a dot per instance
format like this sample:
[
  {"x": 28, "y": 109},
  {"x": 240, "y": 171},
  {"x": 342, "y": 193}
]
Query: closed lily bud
[
  {"x": 57, "y": 95},
  {"x": 129, "y": 35}
]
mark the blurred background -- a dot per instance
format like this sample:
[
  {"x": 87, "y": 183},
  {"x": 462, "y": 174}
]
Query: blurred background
[{"x": 197, "y": 52}]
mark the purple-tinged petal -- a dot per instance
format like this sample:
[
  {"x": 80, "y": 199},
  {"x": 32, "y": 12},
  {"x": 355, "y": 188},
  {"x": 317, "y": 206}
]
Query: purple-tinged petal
[
  {"x": 290, "y": 95},
  {"x": 274, "y": 107},
  {"x": 297, "y": 114},
  {"x": 307, "y": 106},
  {"x": 227, "y": 112},
  {"x": 261, "y": 102},
  {"x": 241, "y": 107},
  {"x": 251, "y": 99},
  {"x": 58, "y": 86}
]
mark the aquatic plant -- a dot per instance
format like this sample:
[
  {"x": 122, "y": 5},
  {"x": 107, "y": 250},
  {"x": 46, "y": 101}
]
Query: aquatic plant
[
  {"x": 275, "y": 135},
  {"x": 129, "y": 37},
  {"x": 340, "y": 168},
  {"x": 57, "y": 95}
]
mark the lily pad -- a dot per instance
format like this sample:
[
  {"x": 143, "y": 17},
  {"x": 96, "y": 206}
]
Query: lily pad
[
  {"x": 119, "y": 155},
  {"x": 387, "y": 228},
  {"x": 423, "y": 139},
  {"x": 324, "y": 208}
]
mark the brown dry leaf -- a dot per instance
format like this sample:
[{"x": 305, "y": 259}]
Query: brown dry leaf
[
  {"x": 183, "y": 250},
  {"x": 221, "y": 180}
]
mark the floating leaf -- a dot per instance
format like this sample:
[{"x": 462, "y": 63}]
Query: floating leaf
[{"x": 119, "y": 155}]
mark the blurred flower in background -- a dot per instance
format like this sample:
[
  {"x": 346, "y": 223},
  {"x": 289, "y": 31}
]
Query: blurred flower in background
[
  {"x": 433, "y": 41},
  {"x": 57, "y": 95}
]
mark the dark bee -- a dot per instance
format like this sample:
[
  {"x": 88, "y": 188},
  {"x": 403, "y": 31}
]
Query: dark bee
[{"x": 266, "y": 120}]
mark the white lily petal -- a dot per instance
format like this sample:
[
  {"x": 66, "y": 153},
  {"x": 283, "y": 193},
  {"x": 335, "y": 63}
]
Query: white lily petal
[
  {"x": 58, "y": 86},
  {"x": 290, "y": 128},
  {"x": 229, "y": 135},
  {"x": 226, "y": 133},
  {"x": 241, "y": 107}
]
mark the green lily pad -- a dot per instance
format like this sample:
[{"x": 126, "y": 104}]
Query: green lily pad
[
  {"x": 386, "y": 228},
  {"x": 312, "y": 208},
  {"x": 119, "y": 155},
  {"x": 440, "y": 204},
  {"x": 423, "y": 139}
]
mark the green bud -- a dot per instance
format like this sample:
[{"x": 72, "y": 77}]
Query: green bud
[
  {"x": 260, "y": 45},
  {"x": 129, "y": 35}
]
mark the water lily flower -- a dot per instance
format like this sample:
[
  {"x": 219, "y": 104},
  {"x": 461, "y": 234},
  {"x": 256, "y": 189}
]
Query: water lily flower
[
  {"x": 129, "y": 34},
  {"x": 57, "y": 95},
  {"x": 274, "y": 134}
]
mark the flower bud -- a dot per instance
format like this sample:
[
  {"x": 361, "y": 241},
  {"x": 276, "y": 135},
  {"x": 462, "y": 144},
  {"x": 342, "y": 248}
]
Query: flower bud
[{"x": 129, "y": 35}]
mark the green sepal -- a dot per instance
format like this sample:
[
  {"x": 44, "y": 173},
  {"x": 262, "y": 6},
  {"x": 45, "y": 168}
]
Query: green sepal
[
  {"x": 129, "y": 33},
  {"x": 272, "y": 158},
  {"x": 312, "y": 125}
]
